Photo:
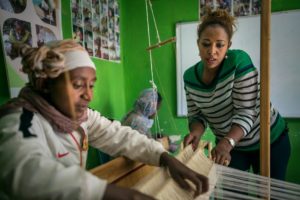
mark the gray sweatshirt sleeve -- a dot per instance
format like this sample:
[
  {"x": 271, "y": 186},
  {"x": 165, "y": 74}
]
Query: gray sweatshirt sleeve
[{"x": 117, "y": 140}]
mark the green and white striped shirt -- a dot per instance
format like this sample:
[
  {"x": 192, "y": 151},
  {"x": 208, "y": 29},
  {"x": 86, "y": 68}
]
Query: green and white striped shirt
[{"x": 232, "y": 98}]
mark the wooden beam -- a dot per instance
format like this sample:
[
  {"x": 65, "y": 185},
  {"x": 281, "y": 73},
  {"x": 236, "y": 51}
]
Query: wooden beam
[
  {"x": 265, "y": 37},
  {"x": 173, "y": 39},
  {"x": 122, "y": 171}
]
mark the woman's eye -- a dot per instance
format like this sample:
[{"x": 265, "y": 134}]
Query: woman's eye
[
  {"x": 91, "y": 84},
  {"x": 77, "y": 85},
  {"x": 220, "y": 45},
  {"x": 205, "y": 44}
]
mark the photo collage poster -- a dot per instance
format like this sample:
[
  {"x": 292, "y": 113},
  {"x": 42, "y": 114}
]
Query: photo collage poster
[
  {"x": 32, "y": 22},
  {"x": 96, "y": 27},
  {"x": 236, "y": 8}
]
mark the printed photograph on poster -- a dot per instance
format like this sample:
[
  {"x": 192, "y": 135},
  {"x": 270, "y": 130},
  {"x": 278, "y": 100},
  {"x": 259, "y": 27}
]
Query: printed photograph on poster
[
  {"x": 44, "y": 35},
  {"x": 111, "y": 30},
  {"x": 78, "y": 34},
  {"x": 31, "y": 22},
  {"x": 241, "y": 8},
  {"x": 104, "y": 48},
  {"x": 235, "y": 7},
  {"x": 97, "y": 28},
  {"x": 15, "y": 32},
  {"x": 256, "y": 7},
  {"x": 87, "y": 26},
  {"x": 104, "y": 29},
  {"x": 45, "y": 9},
  {"x": 76, "y": 13},
  {"x": 205, "y": 5},
  {"x": 103, "y": 18},
  {"x": 87, "y": 15},
  {"x": 88, "y": 42},
  {"x": 96, "y": 16},
  {"x": 117, "y": 32},
  {"x": 97, "y": 45},
  {"x": 13, "y": 6},
  {"x": 224, "y": 4}
]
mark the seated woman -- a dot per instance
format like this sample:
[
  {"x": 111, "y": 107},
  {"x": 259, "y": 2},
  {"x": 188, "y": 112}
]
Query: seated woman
[
  {"x": 144, "y": 111},
  {"x": 45, "y": 133}
]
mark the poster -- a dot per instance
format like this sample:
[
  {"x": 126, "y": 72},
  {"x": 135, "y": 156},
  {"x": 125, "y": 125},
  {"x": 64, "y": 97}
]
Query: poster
[
  {"x": 235, "y": 7},
  {"x": 33, "y": 22},
  {"x": 96, "y": 27}
]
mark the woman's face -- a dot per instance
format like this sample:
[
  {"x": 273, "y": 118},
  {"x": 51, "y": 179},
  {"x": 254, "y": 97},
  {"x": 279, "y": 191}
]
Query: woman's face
[
  {"x": 72, "y": 97},
  {"x": 213, "y": 45}
]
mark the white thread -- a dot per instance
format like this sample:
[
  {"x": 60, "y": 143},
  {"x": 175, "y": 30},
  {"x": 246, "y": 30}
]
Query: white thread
[
  {"x": 157, "y": 127},
  {"x": 155, "y": 25},
  {"x": 224, "y": 182}
]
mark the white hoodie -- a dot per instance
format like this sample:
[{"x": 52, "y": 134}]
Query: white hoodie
[{"x": 38, "y": 163}]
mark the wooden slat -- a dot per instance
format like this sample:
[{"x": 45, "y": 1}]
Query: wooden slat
[
  {"x": 122, "y": 171},
  {"x": 135, "y": 176}
]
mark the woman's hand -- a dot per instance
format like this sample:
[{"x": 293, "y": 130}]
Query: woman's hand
[
  {"x": 113, "y": 192},
  {"x": 180, "y": 173},
  {"x": 221, "y": 153},
  {"x": 197, "y": 129},
  {"x": 192, "y": 138}
]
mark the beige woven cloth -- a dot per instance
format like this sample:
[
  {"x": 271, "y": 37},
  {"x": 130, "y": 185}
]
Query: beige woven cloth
[{"x": 160, "y": 185}]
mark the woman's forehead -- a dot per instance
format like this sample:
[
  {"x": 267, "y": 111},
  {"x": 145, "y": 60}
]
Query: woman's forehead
[{"x": 83, "y": 72}]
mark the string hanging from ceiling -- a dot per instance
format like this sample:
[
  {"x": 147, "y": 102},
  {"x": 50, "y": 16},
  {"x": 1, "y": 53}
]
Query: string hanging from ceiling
[{"x": 148, "y": 6}]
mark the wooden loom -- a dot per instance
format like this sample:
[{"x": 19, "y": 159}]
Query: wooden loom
[
  {"x": 131, "y": 174},
  {"x": 224, "y": 182}
]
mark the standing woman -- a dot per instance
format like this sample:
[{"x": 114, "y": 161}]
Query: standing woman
[
  {"x": 46, "y": 130},
  {"x": 223, "y": 91}
]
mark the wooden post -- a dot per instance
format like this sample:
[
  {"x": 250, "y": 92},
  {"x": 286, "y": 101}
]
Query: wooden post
[{"x": 265, "y": 89}]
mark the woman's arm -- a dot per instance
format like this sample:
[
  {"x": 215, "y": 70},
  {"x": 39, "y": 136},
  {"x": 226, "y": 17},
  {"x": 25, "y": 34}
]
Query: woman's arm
[
  {"x": 221, "y": 153},
  {"x": 245, "y": 94},
  {"x": 196, "y": 131},
  {"x": 117, "y": 140},
  {"x": 197, "y": 123}
]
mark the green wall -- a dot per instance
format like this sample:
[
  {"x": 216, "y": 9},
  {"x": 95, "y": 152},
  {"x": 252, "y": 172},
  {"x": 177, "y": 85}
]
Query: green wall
[
  {"x": 137, "y": 64},
  {"x": 119, "y": 83}
]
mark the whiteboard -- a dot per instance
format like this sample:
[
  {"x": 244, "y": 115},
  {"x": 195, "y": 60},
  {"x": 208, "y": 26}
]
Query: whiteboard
[{"x": 284, "y": 60}]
